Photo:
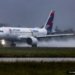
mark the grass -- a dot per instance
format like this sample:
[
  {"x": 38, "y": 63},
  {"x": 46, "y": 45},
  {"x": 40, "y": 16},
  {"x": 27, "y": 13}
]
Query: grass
[
  {"x": 37, "y": 52},
  {"x": 34, "y": 68}
]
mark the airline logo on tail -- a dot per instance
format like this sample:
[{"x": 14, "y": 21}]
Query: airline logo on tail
[{"x": 49, "y": 23}]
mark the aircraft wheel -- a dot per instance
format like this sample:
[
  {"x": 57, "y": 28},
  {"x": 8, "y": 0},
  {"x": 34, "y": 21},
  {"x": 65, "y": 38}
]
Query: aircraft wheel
[
  {"x": 5, "y": 43},
  {"x": 34, "y": 45},
  {"x": 12, "y": 44}
]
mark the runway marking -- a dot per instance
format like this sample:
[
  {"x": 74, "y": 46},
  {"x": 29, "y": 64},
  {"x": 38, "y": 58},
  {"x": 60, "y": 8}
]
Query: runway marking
[{"x": 37, "y": 59}]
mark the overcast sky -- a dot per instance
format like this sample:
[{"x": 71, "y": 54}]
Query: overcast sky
[{"x": 32, "y": 13}]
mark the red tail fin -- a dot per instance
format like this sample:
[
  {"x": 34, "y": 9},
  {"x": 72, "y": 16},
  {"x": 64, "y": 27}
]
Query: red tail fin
[{"x": 49, "y": 23}]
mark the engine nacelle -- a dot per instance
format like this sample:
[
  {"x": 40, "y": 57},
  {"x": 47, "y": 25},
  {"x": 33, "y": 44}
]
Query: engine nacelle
[{"x": 32, "y": 41}]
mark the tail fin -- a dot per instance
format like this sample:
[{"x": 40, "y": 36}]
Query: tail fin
[{"x": 49, "y": 23}]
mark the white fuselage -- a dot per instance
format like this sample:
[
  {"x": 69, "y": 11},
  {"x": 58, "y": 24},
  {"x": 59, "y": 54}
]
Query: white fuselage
[{"x": 17, "y": 32}]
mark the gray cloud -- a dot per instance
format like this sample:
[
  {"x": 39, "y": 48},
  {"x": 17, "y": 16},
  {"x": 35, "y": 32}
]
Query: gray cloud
[{"x": 33, "y": 13}]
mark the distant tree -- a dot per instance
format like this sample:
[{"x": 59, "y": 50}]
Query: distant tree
[{"x": 3, "y": 24}]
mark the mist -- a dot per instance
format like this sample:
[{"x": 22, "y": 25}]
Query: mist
[
  {"x": 60, "y": 42},
  {"x": 56, "y": 43}
]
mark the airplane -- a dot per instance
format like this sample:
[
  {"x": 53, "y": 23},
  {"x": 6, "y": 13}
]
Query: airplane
[{"x": 10, "y": 35}]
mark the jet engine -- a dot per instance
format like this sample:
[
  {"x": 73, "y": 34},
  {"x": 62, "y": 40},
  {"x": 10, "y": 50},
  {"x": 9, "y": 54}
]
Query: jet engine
[{"x": 32, "y": 41}]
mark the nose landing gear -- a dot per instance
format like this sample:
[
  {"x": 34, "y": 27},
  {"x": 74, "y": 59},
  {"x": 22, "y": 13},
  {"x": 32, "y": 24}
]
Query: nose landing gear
[{"x": 5, "y": 43}]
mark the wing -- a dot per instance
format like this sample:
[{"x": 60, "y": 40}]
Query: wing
[
  {"x": 57, "y": 35},
  {"x": 24, "y": 38}
]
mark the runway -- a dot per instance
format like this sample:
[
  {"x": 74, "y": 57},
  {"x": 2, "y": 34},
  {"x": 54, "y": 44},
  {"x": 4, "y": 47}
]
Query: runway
[{"x": 37, "y": 59}]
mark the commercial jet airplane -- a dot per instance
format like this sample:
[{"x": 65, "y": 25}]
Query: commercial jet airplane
[{"x": 10, "y": 35}]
